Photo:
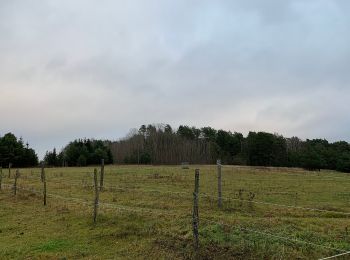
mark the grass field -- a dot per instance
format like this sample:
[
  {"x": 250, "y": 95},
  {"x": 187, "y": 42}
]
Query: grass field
[{"x": 146, "y": 213}]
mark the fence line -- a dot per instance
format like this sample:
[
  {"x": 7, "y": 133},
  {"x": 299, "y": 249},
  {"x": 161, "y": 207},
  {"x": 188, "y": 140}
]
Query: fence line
[
  {"x": 158, "y": 213},
  {"x": 152, "y": 211},
  {"x": 122, "y": 189},
  {"x": 77, "y": 183},
  {"x": 293, "y": 173},
  {"x": 313, "y": 175},
  {"x": 81, "y": 184},
  {"x": 224, "y": 198},
  {"x": 32, "y": 189},
  {"x": 103, "y": 204},
  {"x": 335, "y": 256},
  {"x": 135, "y": 174},
  {"x": 281, "y": 205},
  {"x": 137, "y": 209},
  {"x": 276, "y": 236}
]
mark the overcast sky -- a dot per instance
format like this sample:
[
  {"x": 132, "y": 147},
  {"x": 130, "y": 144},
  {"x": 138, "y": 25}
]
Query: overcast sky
[{"x": 84, "y": 68}]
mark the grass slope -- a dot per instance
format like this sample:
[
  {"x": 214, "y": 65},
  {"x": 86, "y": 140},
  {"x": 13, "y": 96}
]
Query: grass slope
[{"x": 145, "y": 213}]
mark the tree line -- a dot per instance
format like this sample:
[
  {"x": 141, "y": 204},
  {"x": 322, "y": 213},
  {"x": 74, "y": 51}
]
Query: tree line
[
  {"x": 161, "y": 144},
  {"x": 14, "y": 151},
  {"x": 80, "y": 152}
]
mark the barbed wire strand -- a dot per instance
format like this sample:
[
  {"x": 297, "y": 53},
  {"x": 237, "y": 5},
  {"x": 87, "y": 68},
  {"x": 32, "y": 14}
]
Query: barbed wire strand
[
  {"x": 313, "y": 175},
  {"x": 134, "y": 209},
  {"x": 103, "y": 204},
  {"x": 118, "y": 207},
  {"x": 280, "y": 205},
  {"x": 335, "y": 256},
  {"x": 276, "y": 236},
  {"x": 227, "y": 198}
]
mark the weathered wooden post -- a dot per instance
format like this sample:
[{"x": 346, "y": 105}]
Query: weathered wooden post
[
  {"x": 218, "y": 162},
  {"x": 195, "y": 214},
  {"x": 0, "y": 176},
  {"x": 102, "y": 174},
  {"x": 96, "y": 196},
  {"x": 10, "y": 165},
  {"x": 43, "y": 179},
  {"x": 15, "y": 184},
  {"x": 42, "y": 172}
]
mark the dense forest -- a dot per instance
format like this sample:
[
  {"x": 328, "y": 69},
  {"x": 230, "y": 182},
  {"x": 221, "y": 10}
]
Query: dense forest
[
  {"x": 14, "y": 151},
  {"x": 80, "y": 152},
  {"x": 161, "y": 144}
]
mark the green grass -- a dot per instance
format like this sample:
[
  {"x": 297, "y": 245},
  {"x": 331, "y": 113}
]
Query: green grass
[
  {"x": 145, "y": 213},
  {"x": 55, "y": 245}
]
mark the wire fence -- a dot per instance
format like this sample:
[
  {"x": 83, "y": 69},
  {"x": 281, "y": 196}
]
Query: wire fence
[
  {"x": 87, "y": 202},
  {"x": 204, "y": 195},
  {"x": 182, "y": 214},
  {"x": 336, "y": 256},
  {"x": 280, "y": 205},
  {"x": 279, "y": 237}
]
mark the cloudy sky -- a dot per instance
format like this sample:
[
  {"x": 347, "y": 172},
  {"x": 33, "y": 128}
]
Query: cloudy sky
[{"x": 87, "y": 68}]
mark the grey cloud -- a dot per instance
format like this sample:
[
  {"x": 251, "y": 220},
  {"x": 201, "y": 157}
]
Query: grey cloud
[{"x": 71, "y": 69}]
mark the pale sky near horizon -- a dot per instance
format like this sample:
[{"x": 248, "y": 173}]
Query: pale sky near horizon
[{"x": 84, "y": 68}]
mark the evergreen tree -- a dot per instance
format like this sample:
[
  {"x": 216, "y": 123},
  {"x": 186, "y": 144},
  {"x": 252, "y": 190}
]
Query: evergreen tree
[{"x": 13, "y": 150}]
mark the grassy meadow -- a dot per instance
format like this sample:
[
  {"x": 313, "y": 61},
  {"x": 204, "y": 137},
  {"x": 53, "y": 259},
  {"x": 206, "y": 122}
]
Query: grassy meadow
[{"x": 145, "y": 212}]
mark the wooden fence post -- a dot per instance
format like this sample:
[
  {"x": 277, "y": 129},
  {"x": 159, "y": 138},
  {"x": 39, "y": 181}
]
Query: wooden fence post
[
  {"x": 42, "y": 172},
  {"x": 0, "y": 176},
  {"x": 218, "y": 162},
  {"x": 15, "y": 184},
  {"x": 10, "y": 165},
  {"x": 102, "y": 174},
  {"x": 195, "y": 215},
  {"x": 43, "y": 179},
  {"x": 96, "y": 196}
]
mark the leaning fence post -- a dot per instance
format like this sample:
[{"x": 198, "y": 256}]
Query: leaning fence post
[
  {"x": 218, "y": 162},
  {"x": 10, "y": 165},
  {"x": 102, "y": 174},
  {"x": 195, "y": 215},
  {"x": 0, "y": 176},
  {"x": 15, "y": 184},
  {"x": 96, "y": 196},
  {"x": 43, "y": 179}
]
